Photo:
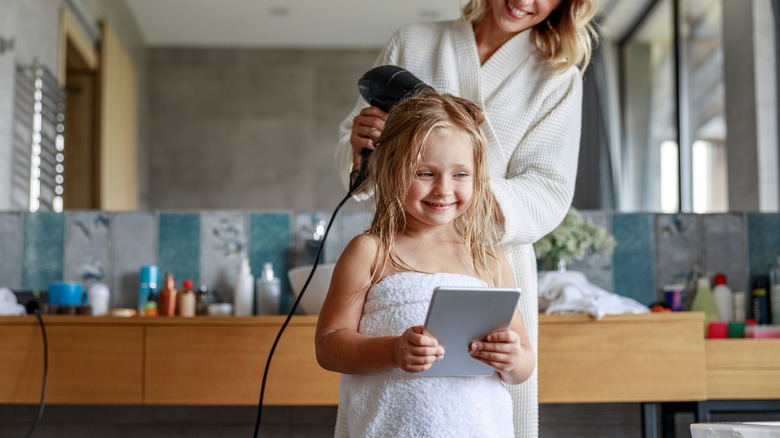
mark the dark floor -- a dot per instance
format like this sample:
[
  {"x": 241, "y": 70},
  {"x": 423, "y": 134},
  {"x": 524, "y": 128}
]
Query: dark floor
[{"x": 619, "y": 420}]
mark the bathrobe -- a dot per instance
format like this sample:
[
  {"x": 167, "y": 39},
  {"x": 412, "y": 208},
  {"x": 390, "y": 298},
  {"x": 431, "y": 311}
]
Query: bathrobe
[{"x": 533, "y": 118}]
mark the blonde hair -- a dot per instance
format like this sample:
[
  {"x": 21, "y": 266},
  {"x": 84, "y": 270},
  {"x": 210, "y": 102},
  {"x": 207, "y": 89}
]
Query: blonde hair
[
  {"x": 393, "y": 166},
  {"x": 564, "y": 39}
]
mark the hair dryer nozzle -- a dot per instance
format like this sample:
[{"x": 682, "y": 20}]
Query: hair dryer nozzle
[{"x": 386, "y": 85}]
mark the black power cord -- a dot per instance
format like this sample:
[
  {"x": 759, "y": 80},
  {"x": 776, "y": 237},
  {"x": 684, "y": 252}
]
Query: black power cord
[
  {"x": 37, "y": 313},
  {"x": 295, "y": 306}
]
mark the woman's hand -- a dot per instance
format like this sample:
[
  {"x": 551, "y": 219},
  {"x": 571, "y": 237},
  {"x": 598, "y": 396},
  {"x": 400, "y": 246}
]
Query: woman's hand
[
  {"x": 415, "y": 351},
  {"x": 369, "y": 123}
]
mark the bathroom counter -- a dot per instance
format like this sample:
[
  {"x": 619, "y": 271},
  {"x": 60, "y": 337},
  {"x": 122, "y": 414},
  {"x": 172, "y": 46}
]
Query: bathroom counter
[{"x": 220, "y": 361}]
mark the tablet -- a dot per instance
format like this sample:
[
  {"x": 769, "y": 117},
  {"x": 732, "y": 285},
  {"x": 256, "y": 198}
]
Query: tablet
[{"x": 459, "y": 315}]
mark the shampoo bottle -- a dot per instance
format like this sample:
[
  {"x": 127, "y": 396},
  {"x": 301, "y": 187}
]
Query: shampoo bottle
[
  {"x": 722, "y": 293},
  {"x": 704, "y": 301},
  {"x": 268, "y": 292},
  {"x": 168, "y": 297},
  {"x": 187, "y": 299},
  {"x": 242, "y": 294},
  {"x": 759, "y": 300}
]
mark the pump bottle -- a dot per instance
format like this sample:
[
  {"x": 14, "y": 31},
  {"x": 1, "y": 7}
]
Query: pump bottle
[{"x": 242, "y": 294}]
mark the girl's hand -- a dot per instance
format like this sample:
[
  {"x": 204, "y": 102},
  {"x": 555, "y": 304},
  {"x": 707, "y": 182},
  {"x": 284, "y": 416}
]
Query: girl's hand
[
  {"x": 369, "y": 123},
  {"x": 501, "y": 350},
  {"x": 415, "y": 351}
]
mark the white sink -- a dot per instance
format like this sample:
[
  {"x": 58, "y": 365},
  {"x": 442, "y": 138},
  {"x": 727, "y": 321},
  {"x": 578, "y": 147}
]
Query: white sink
[{"x": 315, "y": 293}]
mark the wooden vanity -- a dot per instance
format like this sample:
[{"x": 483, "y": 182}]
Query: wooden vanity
[{"x": 220, "y": 361}]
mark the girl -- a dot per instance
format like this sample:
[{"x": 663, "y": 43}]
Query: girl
[
  {"x": 521, "y": 61},
  {"x": 432, "y": 219}
]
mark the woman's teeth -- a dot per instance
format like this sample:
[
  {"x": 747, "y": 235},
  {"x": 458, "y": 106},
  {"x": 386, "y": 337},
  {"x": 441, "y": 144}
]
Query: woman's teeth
[{"x": 516, "y": 11}]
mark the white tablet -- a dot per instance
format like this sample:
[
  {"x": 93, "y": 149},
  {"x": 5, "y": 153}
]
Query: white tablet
[{"x": 459, "y": 315}]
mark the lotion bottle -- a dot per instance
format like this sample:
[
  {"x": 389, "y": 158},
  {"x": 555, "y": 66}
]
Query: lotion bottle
[
  {"x": 268, "y": 292},
  {"x": 242, "y": 294},
  {"x": 187, "y": 299},
  {"x": 722, "y": 293},
  {"x": 168, "y": 297},
  {"x": 704, "y": 301}
]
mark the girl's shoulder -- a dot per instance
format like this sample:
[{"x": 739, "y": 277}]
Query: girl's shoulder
[{"x": 363, "y": 244}]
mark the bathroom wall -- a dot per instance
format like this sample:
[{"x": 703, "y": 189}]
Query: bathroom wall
[{"x": 653, "y": 249}]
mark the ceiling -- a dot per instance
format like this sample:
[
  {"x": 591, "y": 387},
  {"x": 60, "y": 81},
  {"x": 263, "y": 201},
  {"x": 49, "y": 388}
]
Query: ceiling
[{"x": 288, "y": 24}]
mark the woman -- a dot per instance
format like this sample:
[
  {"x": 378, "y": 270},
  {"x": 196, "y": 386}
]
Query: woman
[{"x": 521, "y": 61}]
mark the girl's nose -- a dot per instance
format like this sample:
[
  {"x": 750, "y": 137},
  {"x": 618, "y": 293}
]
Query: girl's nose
[{"x": 443, "y": 186}]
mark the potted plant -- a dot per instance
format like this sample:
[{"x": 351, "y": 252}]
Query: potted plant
[{"x": 573, "y": 239}]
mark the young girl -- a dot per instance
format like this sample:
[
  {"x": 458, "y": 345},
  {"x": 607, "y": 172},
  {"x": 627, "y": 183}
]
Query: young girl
[{"x": 433, "y": 211}]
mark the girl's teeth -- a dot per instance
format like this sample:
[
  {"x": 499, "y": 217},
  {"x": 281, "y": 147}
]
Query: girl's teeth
[{"x": 516, "y": 11}]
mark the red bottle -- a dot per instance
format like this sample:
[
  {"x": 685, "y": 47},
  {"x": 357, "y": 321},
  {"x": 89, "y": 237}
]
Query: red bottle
[{"x": 168, "y": 297}]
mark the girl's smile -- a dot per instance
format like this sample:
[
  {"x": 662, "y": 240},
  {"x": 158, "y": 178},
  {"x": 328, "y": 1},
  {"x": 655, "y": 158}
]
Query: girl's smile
[{"x": 444, "y": 180}]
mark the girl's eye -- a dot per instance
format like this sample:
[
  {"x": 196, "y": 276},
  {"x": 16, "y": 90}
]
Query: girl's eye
[
  {"x": 424, "y": 174},
  {"x": 461, "y": 175}
]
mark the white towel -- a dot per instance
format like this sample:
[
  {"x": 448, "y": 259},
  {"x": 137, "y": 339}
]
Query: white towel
[
  {"x": 570, "y": 292},
  {"x": 398, "y": 404},
  {"x": 8, "y": 304}
]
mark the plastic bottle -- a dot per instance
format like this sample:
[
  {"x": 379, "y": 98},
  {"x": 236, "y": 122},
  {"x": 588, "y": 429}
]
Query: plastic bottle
[
  {"x": 187, "y": 299},
  {"x": 704, "y": 301},
  {"x": 268, "y": 292},
  {"x": 99, "y": 297},
  {"x": 759, "y": 300},
  {"x": 722, "y": 294},
  {"x": 168, "y": 297},
  {"x": 242, "y": 294},
  {"x": 740, "y": 305},
  {"x": 774, "y": 294},
  {"x": 147, "y": 286},
  {"x": 202, "y": 301}
]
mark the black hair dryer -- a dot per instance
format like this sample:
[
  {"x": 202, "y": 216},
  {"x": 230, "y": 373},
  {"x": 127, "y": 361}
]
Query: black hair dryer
[{"x": 383, "y": 87}]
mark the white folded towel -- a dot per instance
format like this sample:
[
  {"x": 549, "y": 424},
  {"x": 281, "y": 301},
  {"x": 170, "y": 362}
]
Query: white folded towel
[
  {"x": 8, "y": 304},
  {"x": 570, "y": 292}
]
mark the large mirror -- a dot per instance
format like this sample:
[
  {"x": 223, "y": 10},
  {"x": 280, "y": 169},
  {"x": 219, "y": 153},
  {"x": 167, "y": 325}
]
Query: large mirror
[{"x": 237, "y": 105}]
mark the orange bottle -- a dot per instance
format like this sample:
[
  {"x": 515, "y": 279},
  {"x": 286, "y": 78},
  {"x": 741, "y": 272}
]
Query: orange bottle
[{"x": 168, "y": 297}]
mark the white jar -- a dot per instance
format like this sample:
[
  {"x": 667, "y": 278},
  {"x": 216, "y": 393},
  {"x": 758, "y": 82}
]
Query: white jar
[{"x": 99, "y": 297}]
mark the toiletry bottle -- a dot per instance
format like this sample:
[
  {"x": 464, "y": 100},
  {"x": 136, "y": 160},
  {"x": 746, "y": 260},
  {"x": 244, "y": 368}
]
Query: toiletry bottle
[
  {"x": 168, "y": 297},
  {"x": 268, "y": 292},
  {"x": 99, "y": 297},
  {"x": 244, "y": 289},
  {"x": 740, "y": 305},
  {"x": 202, "y": 301},
  {"x": 774, "y": 294},
  {"x": 187, "y": 299},
  {"x": 722, "y": 293},
  {"x": 704, "y": 301},
  {"x": 759, "y": 301},
  {"x": 151, "y": 304},
  {"x": 147, "y": 286}
]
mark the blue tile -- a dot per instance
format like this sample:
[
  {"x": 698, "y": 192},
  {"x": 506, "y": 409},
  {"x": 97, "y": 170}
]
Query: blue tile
[
  {"x": 135, "y": 245},
  {"x": 43, "y": 249},
  {"x": 763, "y": 231},
  {"x": 633, "y": 260},
  {"x": 270, "y": 241},
  {"x": 11, "y": 250},
  {"x": 87, "y": 247},
  {"x": 179, "y": 246},
  {"x": 223, "y": 238}
]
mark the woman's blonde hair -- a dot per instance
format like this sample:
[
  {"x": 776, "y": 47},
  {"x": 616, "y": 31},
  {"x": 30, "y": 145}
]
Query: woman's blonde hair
[
  {"x": 393, "y": 167},
  {"x": 564, "y": 39}
]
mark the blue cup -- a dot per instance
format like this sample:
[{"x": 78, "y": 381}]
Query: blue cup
[{"x": 66, "y": 294}]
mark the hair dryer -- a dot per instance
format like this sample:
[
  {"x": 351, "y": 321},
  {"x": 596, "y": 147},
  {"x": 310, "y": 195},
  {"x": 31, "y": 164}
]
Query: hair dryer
[{"x": 384, "y": 87}]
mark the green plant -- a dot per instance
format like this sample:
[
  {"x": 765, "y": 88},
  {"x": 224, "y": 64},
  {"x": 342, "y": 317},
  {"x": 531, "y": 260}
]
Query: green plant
[{"x": 572, "y": 240}]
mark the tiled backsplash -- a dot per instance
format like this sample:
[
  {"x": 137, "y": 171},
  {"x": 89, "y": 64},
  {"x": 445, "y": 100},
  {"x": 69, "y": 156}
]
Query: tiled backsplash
[{"x": 205, "y": 246}]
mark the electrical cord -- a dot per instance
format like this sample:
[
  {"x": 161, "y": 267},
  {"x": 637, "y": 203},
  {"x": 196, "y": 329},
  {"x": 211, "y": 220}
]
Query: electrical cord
[
  {"x": 295, "y": 306},
  {"x": 45, "y": 375}
]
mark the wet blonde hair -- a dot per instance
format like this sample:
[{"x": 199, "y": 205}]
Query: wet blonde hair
[
  {"x": 393, "y": 167},
  {"x": 564, "y": 39}
]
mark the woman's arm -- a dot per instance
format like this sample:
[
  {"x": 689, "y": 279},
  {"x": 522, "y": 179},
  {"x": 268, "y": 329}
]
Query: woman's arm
[
  {"x": 538, "y": 188},
  {"x": 340, "y": 347}
]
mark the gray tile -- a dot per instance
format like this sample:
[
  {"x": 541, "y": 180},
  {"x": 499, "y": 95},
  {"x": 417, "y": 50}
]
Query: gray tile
[
  {"x": 223, "y": 237},
  {"x": 44, "y": 241},
  {"x": 596, "y": 267},
  {"x": 763, "y": 233},
  {"x": 135, "y": 245},
  {"x": 723, "y": 240},
  {"x": 678, "y": 254},
  {"x": 352, "y": 223},
  {"x": 10, "y": 250},
  {"x": 88, "y": 246}
]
